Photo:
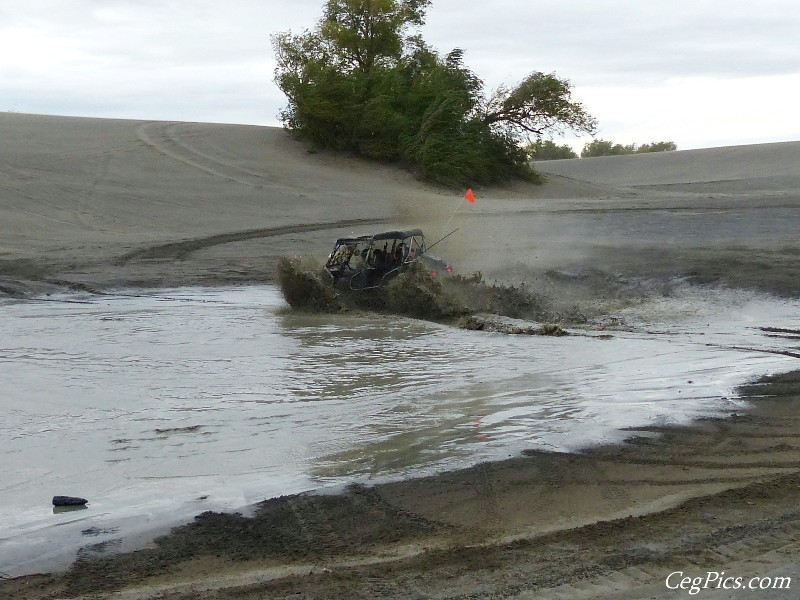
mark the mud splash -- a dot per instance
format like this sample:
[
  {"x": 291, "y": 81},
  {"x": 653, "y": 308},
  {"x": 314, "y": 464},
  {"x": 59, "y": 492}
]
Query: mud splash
[{"x": 468, "y": 302}]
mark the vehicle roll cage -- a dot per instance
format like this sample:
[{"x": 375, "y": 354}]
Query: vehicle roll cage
[{"x": 367, "y": 261}]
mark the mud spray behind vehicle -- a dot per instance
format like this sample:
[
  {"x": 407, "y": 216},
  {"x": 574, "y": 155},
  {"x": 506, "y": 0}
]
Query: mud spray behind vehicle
[
  {"x": 394, "y": 272},
  {"x": 369, "y": 261}
]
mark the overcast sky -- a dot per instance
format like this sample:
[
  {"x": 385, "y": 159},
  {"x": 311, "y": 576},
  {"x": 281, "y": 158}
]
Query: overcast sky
[{"x": 700, "y": 73}]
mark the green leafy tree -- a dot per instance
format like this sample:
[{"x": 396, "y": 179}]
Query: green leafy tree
[
  {"x": 601, "y": 147},
  {"x": 656, "y": 147},
  {"x": 365, "y": 34},
  {"x": 548, "y": 150},
  {"x": 541, "y": 103},
  {"x": 448, "y": 143},
  {"x": 339, "y": 78},
  {"x": 363, "y": 81}
]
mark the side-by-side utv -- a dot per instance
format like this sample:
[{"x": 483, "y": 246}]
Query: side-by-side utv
[{"x": 368, "y": 261}]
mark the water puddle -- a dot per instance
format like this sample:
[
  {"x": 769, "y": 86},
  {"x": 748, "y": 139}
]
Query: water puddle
[{"x": 157, "y": 406}]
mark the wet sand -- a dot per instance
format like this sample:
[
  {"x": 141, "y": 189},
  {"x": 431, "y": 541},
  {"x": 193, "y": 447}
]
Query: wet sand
[
  {"x": 94, "y": 204},
  {"x": 614, "y": 522}
]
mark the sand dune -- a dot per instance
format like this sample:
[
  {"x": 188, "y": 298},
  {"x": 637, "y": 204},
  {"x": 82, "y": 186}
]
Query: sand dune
[
  {"x": 77, "y": 195},
  {"x": 104, "y": 202},
  {"x": 734, "y": 168},
  {"x": 95, "y": 201},
  {"x": 88, "y": 182}
]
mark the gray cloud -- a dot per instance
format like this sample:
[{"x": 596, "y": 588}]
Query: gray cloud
[
  {"x": 207, "y": 60},
  {"x": 615, "y": 41}
]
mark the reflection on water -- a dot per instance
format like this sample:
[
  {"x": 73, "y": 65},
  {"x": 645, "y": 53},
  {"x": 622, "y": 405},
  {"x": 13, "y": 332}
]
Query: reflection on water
[{"x": 144, "y": 402}]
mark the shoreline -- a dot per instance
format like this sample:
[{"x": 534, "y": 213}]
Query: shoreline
[
  {"x": 659, "y": 474},
  {"x": 122, "y": 537}
]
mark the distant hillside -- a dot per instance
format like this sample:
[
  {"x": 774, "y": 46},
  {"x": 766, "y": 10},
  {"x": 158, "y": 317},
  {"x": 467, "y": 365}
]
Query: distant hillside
[{"x": 764, "y": 166}]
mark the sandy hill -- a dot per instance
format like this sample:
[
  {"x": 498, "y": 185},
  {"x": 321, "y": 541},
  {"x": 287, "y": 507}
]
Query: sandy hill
[
  {"x": 759, "y": 166},
  {"x": 98, "y": 182},
  {"x": 94, "y": 200}
]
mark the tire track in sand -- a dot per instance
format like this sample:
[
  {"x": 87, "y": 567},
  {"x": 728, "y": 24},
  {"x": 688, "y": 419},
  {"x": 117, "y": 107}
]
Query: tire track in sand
[
  {"x": 164, "y": 138},
  {"x": 180, "y": 250}
]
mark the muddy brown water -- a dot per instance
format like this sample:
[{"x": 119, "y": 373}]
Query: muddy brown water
[{"x": 156, "y": 406}]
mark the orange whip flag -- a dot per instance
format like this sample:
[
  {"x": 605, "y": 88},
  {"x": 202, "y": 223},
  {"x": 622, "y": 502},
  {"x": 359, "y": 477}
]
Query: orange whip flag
[{"x": 470, "y": 195}]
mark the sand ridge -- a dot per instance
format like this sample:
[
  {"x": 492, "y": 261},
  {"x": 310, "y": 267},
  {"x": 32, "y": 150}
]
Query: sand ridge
[
  {"x": 81, "y": 198},
  {"x": 773, "y": 165}
]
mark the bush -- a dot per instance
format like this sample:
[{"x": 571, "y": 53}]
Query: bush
[
  {"x": 548, "y": 150},
  {"x": 607, "y": 148},
  {"x": 360, "y": 83}
]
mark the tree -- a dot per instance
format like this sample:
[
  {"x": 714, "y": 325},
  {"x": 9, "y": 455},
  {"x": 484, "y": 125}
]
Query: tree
[
  {"x": 363, "y": 34},
  {"x": 548, "y": 150},
  {"x": 338, "y": 78},
  {"x": 600, "y": 147},
  {"x": 363, "y": 82},
  {"x": 447, "y": 142},
  {"x": 657, "y": 147},
  {"x": 540, "y": 103}
]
